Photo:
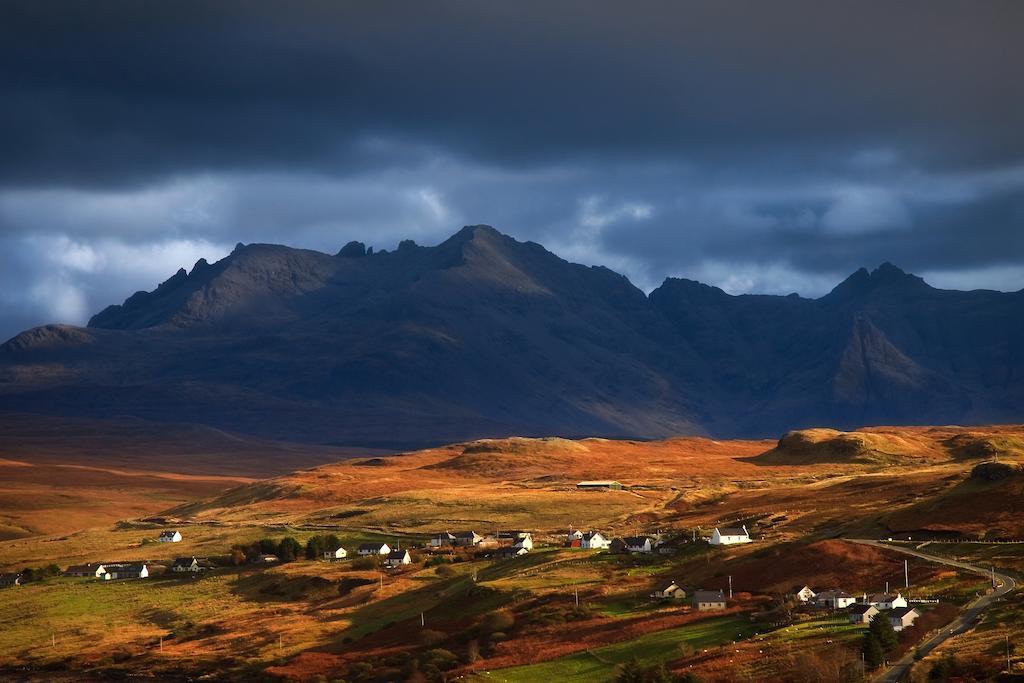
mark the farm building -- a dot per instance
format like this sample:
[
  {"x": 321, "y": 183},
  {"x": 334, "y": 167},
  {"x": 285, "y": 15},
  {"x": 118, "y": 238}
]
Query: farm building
[
  {"x": 573, "y": 535},
  {"x": 124, "y": 570},
  {"x": 468, "y": 538},
  {"x": 91, "y": 570},
  {"x": 396, "y": 558},
  {"x": 444, "y": 539},
  {"x": 670, "y": 591},
  {"x": 374, "y": 549},
  {"x": 884, "y": 601},
  {"x": 10, "y": 580},
  {"x": 172, "y": 536},
  {"x": 186, "y": 564},
  {"x": 593, "y": 540},
  {"x": 600, "y": 484},
  {"x": 704, "y": 601},
  {"x": 730, "y": 536},
  {"x": 517, "y": 539},
  {"x": 804, "y": 594},
  {"x": 336, "y": 554},
  {"x": 835, "y": 599},
  {"x": 862, "y": 614},
  {"x": 638, "y": 544},
  {"x": 509, "y": 553},
  {"x": 903, "y": 617}
]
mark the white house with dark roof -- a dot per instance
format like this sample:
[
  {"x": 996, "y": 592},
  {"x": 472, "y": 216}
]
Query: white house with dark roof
[
  {"x": 444, "y": 539},
  {"x": 398, "y": 557},
  {"x": 835, "y": 599},
  {"x": 804, "y": 594},
  {"x": 704, "y": 601},
  {"x": 594, "y": 540},
  {"x": 91, "y": 570},
  {"x": 862, "y": 614},
  {"x": 902, "y": 617},
  {"x": 124, "y": 570},
  {"x": 669, "y": 591},
  {"x": 373, "y": 549},
  {"x": 468, "y": 538},
  {"x": 638, "y": 544},
  {"x": 573, "y": 535},
  {"x": 170, "y": 536},
  {"x": 338, "y": 553},
  {"x": 186, "y": 564},
  {"x": 729, "y": 535},
  {"x": 885, "y": 601}
]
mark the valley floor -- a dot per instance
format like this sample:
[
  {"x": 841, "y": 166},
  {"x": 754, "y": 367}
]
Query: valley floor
[{"x": 555, "y": 613}]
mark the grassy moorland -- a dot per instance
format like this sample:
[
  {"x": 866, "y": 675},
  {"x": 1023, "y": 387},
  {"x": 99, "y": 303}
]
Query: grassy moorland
[{"x": 556, "y": 613}]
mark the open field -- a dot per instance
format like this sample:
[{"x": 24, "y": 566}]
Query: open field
[
  {"x": 306, "y": 619},
  {"x": 59, "y": 475}
]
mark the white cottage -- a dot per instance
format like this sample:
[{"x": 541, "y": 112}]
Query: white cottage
[
  {"x": 730, "y": 535},
  {"x": 396, "y": 558},
  {"x": 172, "y": 536},
  {"x": 638, "y": 544},
  {"x": 594, "y": 540},
  {"x": 374, "y": 549},
  {"x": 884, "y": 601},
  {"x": 185, "y": 564},
  {"x": 336, "y": 554},
  {"x": 670, "y": 591}
]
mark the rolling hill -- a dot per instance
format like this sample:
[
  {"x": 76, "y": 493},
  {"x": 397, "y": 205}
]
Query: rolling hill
[{"x": 483, "y": 336}]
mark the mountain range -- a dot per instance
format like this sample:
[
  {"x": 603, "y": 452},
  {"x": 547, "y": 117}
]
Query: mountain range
[{"x": 485, "y": 336}]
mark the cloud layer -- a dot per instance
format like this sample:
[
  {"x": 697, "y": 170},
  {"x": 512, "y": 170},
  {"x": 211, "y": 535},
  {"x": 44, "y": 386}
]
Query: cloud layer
[{"x": 760, "y": 147}]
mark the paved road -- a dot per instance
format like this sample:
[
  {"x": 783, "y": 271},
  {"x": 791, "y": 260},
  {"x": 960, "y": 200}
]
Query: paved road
[{"x": 968, "y": 617}]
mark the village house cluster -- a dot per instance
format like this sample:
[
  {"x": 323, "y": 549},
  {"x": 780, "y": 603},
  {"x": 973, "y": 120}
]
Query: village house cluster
[{"x": 862, "y": 611}]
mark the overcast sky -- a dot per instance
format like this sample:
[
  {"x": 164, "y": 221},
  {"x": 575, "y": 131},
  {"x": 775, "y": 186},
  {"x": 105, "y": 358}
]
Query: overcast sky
[{"x": 761, "y": 147}]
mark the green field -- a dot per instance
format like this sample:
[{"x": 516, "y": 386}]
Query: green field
[{"x": 654, "y": 648}]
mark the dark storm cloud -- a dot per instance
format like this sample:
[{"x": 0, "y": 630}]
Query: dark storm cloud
[{"x": 759, "y": 146}]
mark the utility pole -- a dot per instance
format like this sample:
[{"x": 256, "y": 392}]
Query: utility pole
[
  {"x": 423, "y": 620},
  {"x": 576, "y": 591},
  {"x": 886, "y": 587},
  {"x": 906, "y": 573},
  {"x": 730, "y": 586}
]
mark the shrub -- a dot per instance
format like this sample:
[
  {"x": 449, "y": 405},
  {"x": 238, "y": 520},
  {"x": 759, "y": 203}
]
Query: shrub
[
  {"x": 500, "y": 620},
  {"x": 432, "y": 638}
]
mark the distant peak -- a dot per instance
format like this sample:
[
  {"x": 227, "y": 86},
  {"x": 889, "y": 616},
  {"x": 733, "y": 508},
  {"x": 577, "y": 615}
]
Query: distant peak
[{"x": 887, "y": 276}]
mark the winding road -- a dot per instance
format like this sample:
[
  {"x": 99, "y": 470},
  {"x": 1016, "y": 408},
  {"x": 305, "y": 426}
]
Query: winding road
[{"x": 965, "y": 621}]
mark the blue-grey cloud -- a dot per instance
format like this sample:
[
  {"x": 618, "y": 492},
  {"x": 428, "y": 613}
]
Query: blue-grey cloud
[{"x": 761, "y": 147}]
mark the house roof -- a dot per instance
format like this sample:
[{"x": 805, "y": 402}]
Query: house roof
[
  {"x": 466, "y": 534},
  {"x": 670, "y": 587},
  {"x": 900, "y": 612},
  {"x": 732, "y": 531},
  {"x": 184, "y": 561},
  {"x": 881, "y": 597},
  {"x": 861, "y": 608},
  {"x": 168, "y": 534},
  {"x": 397, "y": 554},
  {"x": 124, "y": 567},
  {"x": 709, "y": 596},
  {"x": 590, "y": 534},
  {"x": 82, "y": 568},
  {"x": 445, "y": 534},
  {"x": 372, "y": 546},
  {"x": 636, "y": 540}
]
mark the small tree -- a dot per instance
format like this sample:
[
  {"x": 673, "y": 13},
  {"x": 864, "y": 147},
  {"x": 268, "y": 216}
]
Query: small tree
[
  {"x": 874, "y": 655},
  {"x": 288, "y": 549},
  {"x": 314, "y": 549},
  {"x": 882, "y": 629}
]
